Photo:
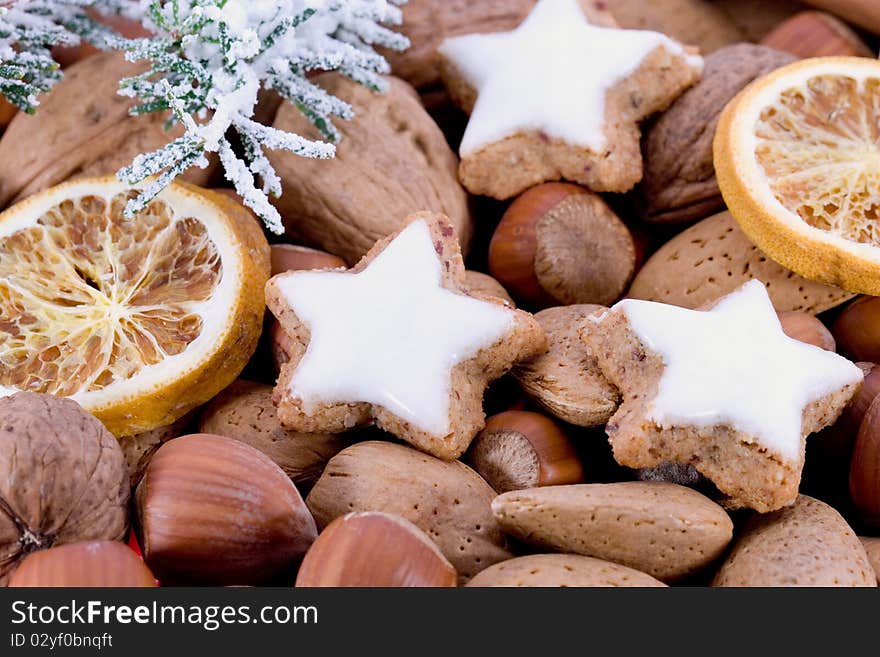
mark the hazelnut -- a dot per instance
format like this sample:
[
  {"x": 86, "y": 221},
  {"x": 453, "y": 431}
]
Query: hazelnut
[
  {"x": 215, "y": 511},
  {"x": 859, "y": 12},
  {"x": 7, "y": 112},
  {"x": 140, "y": 447},
  {"x": 62, "y": 478},
  {"x": 806, "y": 328},
  {"x": 244, "y": 411},
  {"x": 290, "y": 257},
  {"x": 87, "y": 564},
  {"x": 560, "y": 244},
  {"x": 864, "y": 471},
  {"x": 521, "y": 449},
  {"x": 375, "y": 549},
  {"x": 857, "y": 330},
  {"x": 816, "y": 34},
  {"x": 280, "y": 344},
  {"x": 854, "y": 413}
]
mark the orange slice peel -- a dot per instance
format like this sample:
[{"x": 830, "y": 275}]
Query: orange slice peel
[
  {"x": 797, "y": 157},
  {"x": 138, "y": 320}
]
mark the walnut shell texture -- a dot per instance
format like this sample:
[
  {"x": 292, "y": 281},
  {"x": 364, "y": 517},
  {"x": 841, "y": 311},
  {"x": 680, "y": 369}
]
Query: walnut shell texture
[
  {"x": 63, "y": 478},
  {"x": 679, "y": 183},
  {"x": 82, "y": 129},
  {"x": 391, "y": 161}
]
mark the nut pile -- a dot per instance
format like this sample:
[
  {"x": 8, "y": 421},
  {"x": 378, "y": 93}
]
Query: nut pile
[{"x": 452, "y": 390}]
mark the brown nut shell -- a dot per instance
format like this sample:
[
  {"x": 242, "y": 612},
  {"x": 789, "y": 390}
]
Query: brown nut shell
[
  {"x": 561, "y": 570},
  {"x": 679, "y": 183},
  {"x": 561, "y": 244},
  {"x": 72, "y": 138},
  {"x": 857, "y": 330},
  {"x": 87, "y": 564},
  {"x": 864, "y": 471},
  {"x": 445, "y": 499},
  {"x": 244, "y": 411},
  {"x": 665, "y": 530},
  {"x": 391, "y": 161},
  {"x": 63, "y": 478},
  {"x": 713, "y": 258},
  {"x": 806, "y": 544},
  {"x": 807, "y": 328},
  {"x": 694, "y": 22},
  {"x": 816, "y": 34},
  {"x": 859, "y": 12},
  {"x": 374, "y": 550},
  {"x": 566, "y": 380},
  {"x": 291, "y": 257},
  {"x": 215, "y": 511},
  {"x": 872, "y": 547},
  {"x": 478, "y": 283},
  {"x": 139, "y": 448},
  {"x": 521, "y": 449}
]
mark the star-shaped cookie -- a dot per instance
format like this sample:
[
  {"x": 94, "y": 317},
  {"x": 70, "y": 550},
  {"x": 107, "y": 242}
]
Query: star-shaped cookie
[
  {"x": 723, "y": 390},
  {"x": 396, "y": 340},
  {"x": 559, "y": 97}
]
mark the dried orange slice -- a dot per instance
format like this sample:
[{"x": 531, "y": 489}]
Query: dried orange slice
[
  {"x": 137, "y": 320},
  {"x": 797, "y": 156}
]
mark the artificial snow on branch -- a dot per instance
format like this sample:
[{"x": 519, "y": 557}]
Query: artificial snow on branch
[{"x": 209, "y": 61}]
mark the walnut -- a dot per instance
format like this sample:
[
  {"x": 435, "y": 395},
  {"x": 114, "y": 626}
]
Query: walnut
[
  {"x": 694, "y": 22},
  {"x": 62, "y": 478},
  {"x": 391, "y": 161},
  {"x": 82, "y": 129},
  {"x": 679, "y": 183},
  {"x": 428, "y": 22}
]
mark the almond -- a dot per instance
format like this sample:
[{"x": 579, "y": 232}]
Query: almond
[
  {"x": 665, "y": 530},
  {"x": 807, "y": 544},
  {"x": 712, "y": 259},
  {"x": 557, "y": 570},
  {"x": 566, "y": 380},
  {"x": 872, "y": 547},
  {"x": 244, "y": 411},
  {"x": 445, "y": 499}
]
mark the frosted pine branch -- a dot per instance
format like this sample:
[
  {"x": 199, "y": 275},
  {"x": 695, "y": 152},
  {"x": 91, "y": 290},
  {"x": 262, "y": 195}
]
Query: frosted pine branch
[{"x": 211, "y": 58}]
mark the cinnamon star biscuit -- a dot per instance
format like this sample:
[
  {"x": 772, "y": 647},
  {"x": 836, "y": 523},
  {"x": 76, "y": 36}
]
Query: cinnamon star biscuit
[
  {"x": 396, "y": 339},
  {"x": 560, "y": 98},
  {"x": 723, "y": 390}
]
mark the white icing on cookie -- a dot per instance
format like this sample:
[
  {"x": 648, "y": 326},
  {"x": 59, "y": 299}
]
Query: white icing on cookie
[
  {"x": 550, "y": 74},
  {"x": 733, "y": 365},
  {"x": 389, "y": 335}
]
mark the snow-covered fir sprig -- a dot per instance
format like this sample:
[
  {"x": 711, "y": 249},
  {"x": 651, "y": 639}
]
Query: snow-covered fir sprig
[
  {"x": 209, "y": 61},
  {"x": 28, "y": 31}
]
